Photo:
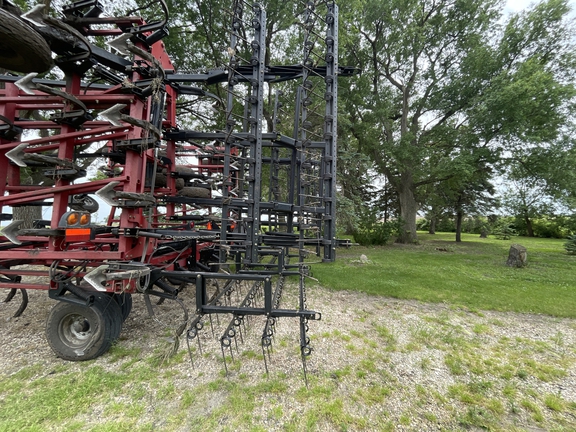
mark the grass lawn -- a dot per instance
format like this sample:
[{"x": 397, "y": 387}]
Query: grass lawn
[{"x": 472, "y": 273}]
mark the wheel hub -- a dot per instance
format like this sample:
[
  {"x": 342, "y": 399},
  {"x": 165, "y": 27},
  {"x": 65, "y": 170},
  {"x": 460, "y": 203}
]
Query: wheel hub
[{"x": 75, "y": 330}]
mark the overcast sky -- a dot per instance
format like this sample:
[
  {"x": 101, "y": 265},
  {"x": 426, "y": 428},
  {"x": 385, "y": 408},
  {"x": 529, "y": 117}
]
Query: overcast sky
[{"x": 518, "y": 5}]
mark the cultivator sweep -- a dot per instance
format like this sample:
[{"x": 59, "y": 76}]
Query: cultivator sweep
[{"x": 231, "y": 211}]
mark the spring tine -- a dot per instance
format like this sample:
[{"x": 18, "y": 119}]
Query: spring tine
[
  {"x": 264, "y": 357},
  {"x": 211, "y": 325},
  {"x": 149, "y": 306},
  {"x": 190, "y": 352},
  {"x": 199, "y": 345},
  {"x": 304, "y": 369},
  {"x": 224, "y": 358},
  {"x": 10, "y": 295},
  {"x": 240, "y": 334},
  {"x": 23, "y": 305},
  {"x": 232, "y": 352},
  {"x": 244, "y": 327}
]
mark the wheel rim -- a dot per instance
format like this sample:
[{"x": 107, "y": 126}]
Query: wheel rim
[{"x": 76, "y": 331}]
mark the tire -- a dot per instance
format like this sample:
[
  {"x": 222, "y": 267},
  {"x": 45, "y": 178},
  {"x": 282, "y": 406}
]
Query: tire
[
  {"x": 124, "y": 300},
  {"x": 83, "y": 202},
  {"x": 22, "y": 49},
  {"x": 78, "y": 332},
  {"x": 112, "y": 309},
  {"x": 194, "y": 192}
]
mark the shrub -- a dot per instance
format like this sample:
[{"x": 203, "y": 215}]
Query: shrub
[
  {"x": 570, "y": 245},
  {"x": 373, "y": 232},
  {"x": 504, "y": 231},
  {"x": 551, "y": 227},
  {"x": 475, "y": 224},
  {"x": 446, "y": 224},
  {"x": 422, "y": 224}
]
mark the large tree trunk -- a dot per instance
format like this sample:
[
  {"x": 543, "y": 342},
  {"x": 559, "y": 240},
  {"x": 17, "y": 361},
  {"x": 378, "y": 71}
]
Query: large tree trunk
[
  {"x": 529, "y": 228},
  {"x": 459, "y": 217},
  {"x": 432, "y": 227},
  {"x": 408, "y": 210},
  {"x": 28, "y": 214}
]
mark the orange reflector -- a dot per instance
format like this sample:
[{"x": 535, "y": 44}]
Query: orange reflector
[
  {"x": 78, "y": 234},
  {"x": 72, "y": 218},
  {"x": 85, "y": 219}
]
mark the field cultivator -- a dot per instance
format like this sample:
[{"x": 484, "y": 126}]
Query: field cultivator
[{"x": 231, "y": 210}]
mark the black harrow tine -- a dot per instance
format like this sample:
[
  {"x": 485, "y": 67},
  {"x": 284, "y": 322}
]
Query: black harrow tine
[
  {"x": 224, "y": 359},
  {"x": 212, "y": 325},
  {"x": 264, "y": 349}
]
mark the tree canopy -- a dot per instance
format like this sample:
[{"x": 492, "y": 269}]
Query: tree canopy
[
  {"x": 451, "y": 92},
  {"x": 446, "y": 79}
]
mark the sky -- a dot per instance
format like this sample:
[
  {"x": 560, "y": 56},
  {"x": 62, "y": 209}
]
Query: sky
[{"x": 518, "y": 5}]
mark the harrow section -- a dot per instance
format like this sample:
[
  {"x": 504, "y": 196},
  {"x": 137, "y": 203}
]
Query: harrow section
[{"x": 242, "y": 203}]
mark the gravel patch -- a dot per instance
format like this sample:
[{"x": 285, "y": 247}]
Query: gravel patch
[{"x": 377, "y": 364}]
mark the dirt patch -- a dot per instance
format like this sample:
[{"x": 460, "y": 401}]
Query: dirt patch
[{"x": 401, "y": 365}]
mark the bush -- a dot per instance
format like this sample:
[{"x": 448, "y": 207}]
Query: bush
[
  {"x": 504, "y": 231},
  {"x": 570, "y": 245},
  {"x": 446, "y": 224},
  {"x": 551, "y": 227},
  {"x": 422, "y": 224},
  {"x": 475, "y": 224},
  {"x": 373, "y": 232}
]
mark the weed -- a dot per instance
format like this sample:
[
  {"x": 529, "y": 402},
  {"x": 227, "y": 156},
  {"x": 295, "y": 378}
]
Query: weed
[
  {"x": 495, "y": 405},
  {"x": 554, "y": 402},
  {"x": 509, "y": 391},
  {"x": 373, "y": 394},
  {"x": 188, "y": 399},
  {"x": 386, "y": 335},
  {"x": 118, "y": 352},
  {"x": 480, "y": 328},
  {"x": 455, "y": 364},
  {"x": 405, "y": 419},
  {"x": 533, "y": 409},
  {"x": 412, "y": 346},
  {"x": 478, "y": 417},
  {"x": 425, "y": 363},
  {"x": 367, "y": 365},
  {"x": 339, "y": 374}
]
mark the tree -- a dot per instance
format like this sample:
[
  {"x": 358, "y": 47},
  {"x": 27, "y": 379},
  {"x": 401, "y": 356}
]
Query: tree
[
  {"x": 525, "y": 199},
  {"x": 472, "y": 196},
  {"x": 444, "y": 76},
  {"x": 470, "y": 192},
  {"x": 550, "y": 166},
  {"x": 540, "y": 181}
]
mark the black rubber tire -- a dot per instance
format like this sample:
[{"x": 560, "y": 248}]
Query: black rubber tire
[
  {"x": 124, "y": 300},
  {"x": 78, "y": 332},
  {"x": 22, "y": 49},
  {"x": 111, "y": 307},
  {"x": 83, "y": 202}
]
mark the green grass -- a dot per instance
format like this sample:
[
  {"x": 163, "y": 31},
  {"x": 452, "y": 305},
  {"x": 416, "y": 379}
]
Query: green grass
[
  {"x": 491, "y": 386},
  {"x": 471, "y": 274}
]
